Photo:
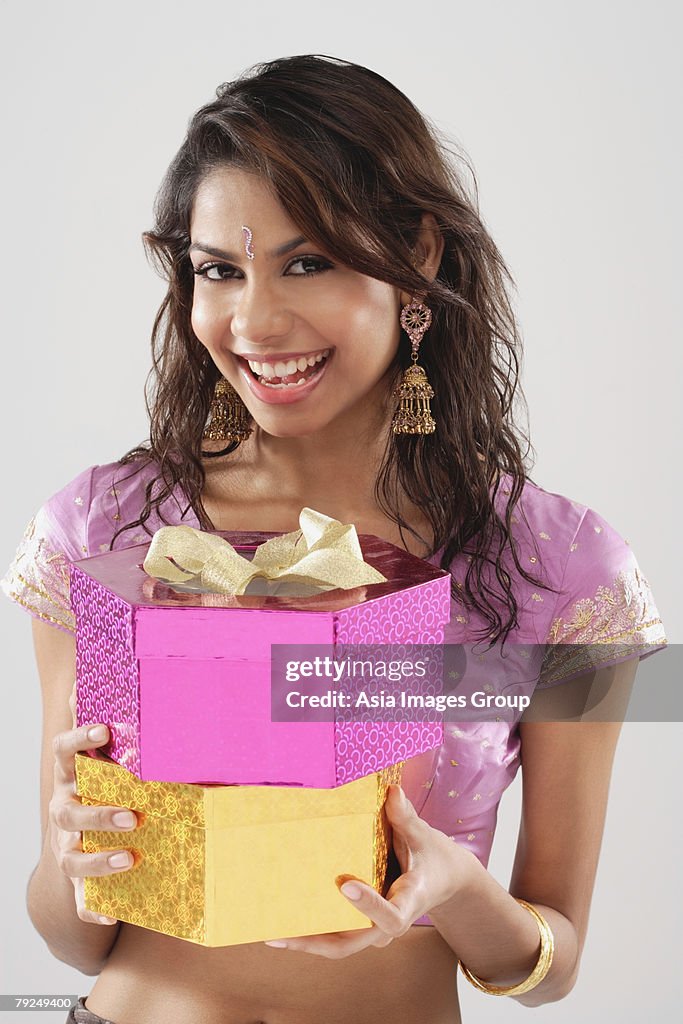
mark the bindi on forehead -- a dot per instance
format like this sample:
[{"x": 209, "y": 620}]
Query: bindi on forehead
[
  {"x": 223, "y": 254},
  {"x": 248, "y": 237}
]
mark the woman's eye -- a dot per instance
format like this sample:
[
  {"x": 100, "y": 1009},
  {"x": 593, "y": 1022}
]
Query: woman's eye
[
  {"x": 214, "y": 271},
  {"x": 308, "y": 266},
  {"x": 311, "y": 265}
]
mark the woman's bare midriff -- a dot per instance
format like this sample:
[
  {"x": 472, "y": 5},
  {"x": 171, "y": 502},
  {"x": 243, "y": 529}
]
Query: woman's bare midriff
[{"x": 153, "y": 979}]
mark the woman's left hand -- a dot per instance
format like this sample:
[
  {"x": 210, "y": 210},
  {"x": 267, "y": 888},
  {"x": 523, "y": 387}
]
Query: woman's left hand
[{"x": 434, "y": 868}]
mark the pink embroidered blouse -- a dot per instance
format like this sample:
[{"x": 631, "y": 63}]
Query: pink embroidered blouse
[{"x": 603, "y": 599}]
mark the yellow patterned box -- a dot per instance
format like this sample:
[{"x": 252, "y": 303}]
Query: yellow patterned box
[{"x": 223, "y": 865}]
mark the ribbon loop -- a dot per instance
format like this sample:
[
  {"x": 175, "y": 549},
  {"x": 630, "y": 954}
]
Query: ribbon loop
[{"x": 323, "y": 554}]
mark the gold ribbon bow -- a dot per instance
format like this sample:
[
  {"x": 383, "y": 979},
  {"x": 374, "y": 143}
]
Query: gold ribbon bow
[{"x": 322, "y": 555}]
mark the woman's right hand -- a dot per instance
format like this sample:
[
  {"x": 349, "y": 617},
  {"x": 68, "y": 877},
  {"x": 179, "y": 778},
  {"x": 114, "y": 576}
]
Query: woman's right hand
[{"x": 68, "y": 817}]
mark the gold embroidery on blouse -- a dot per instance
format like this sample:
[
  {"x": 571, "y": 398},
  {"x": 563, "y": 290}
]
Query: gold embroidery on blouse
[
  {"x": 41, "y": 592},
  {"x": 38, "y": 579},
  {"x": 623, "y": 614},
  {"x": 43, "y": 615}
]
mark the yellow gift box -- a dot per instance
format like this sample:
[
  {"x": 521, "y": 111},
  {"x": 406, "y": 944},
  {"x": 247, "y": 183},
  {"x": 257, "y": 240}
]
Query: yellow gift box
[{"x": 223, "y": 865}]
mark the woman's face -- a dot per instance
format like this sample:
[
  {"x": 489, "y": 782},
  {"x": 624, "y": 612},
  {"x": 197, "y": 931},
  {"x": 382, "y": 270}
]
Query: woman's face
[{"x": 290, "y": 306}]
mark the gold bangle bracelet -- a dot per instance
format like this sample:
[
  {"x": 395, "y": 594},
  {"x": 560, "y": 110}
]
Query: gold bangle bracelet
[{"x": 545, "y": 959}]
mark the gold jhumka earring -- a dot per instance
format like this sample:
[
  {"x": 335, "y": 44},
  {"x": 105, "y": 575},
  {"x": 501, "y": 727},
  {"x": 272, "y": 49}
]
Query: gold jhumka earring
[
  {"x": 413, "y": 414},
  {"x": 227, "y": 415}
]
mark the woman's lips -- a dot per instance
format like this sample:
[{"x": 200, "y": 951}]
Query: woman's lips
[{"x": 284, "y": 395}]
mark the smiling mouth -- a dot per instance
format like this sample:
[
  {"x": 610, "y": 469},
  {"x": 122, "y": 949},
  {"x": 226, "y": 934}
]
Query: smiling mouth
[{"x": 289, "y": 372}]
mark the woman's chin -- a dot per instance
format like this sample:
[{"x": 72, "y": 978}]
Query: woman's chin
[{"x": 274, "y": 426}]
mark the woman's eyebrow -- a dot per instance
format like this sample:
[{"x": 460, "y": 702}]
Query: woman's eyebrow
[{"x": 281, "y": 250}]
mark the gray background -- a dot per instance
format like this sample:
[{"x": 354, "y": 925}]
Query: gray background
[{"x": 570, "y": 114}]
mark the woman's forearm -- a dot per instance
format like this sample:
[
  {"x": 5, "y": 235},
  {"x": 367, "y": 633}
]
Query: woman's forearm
[
  {"x": 52, "y": 909},
  {"x": 498, "y": 939}
]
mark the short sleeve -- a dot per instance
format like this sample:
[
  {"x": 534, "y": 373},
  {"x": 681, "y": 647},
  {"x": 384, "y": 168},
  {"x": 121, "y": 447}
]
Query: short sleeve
[
  {"x": 38, "y": 578},
  {"x": 605, "y": 611}
]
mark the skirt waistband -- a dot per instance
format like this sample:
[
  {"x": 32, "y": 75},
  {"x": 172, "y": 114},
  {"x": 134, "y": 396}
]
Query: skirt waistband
[{"x": 80, "y": 1014}]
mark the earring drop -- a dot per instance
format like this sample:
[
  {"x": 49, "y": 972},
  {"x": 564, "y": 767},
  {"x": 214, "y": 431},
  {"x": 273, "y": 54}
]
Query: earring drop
[
  {"x": 228, "y": 417},
  {"x": 413, "y": 414}
]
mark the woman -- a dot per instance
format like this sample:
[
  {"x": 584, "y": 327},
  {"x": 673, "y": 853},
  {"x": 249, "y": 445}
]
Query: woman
[{"x": 317, "y": 242}]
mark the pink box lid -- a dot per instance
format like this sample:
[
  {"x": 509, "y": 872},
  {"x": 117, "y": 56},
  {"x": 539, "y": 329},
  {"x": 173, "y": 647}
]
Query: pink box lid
[
  {"x": 113, "y": 570},
  {"x": 157, "y": 607}
]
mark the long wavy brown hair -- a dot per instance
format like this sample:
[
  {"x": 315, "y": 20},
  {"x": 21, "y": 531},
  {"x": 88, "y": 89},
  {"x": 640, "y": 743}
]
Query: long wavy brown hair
[{"x": 355, "y": 165}]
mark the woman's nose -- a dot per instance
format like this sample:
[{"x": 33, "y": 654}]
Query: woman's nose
[{"x": 260, "y": 313}]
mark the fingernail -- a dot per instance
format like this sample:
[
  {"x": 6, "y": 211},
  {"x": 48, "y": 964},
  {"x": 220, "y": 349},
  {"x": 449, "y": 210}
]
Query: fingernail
[
  {"x": 278, "y": 943},
  {"x": 98, "y": 732},
  {"x": 351, "y": 891},
  {"x": 119, "y": 860},
  {"x": 402, "y": 798},
  {"x": 124, "y": 819}
]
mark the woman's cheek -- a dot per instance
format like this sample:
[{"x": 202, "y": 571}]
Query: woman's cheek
[{"x": 203, "y": 322}]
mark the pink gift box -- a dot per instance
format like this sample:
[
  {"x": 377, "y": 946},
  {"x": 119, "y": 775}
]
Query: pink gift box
[{"x": 183, "y": 680}]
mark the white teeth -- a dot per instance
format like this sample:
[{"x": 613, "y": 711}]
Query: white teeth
[
  {"x": 284, "y": 369},
  {"x": 267, "y": 384}
]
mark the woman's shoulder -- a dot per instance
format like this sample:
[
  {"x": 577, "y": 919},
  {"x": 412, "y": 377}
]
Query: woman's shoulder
[
  {"x": 76, "y": 521},
  {"x": 588, "y": 549},
  {"x": 113, "y": 495},
  {"x": 117, "y": 498},
  {"x": 37, "y": 579},
  {"x": 91, "y": 506},
  {"x": 545, "y": 525},
  {"x": 569, "y": 537},
  {"x": 602, "y": 595}
]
